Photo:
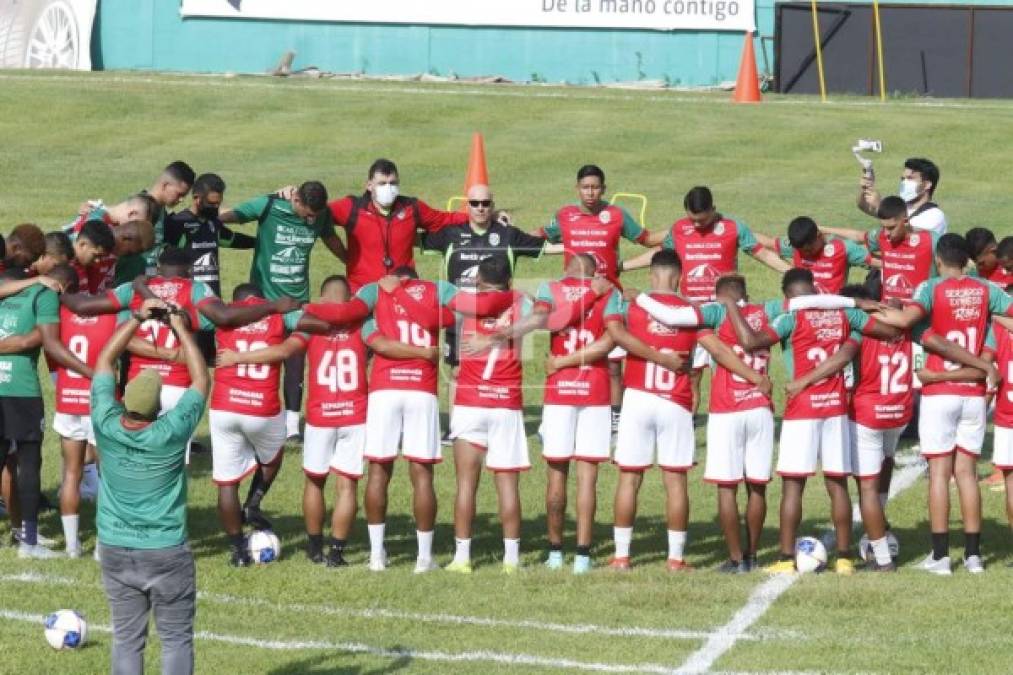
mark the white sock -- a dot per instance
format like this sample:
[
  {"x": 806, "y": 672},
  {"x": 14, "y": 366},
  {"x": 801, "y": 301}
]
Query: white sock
[
  {"x": 425, "y": 544},
  {"x": 881, "y": 549},
  {"x": 70, "y": 524},
  {"x": 376, "y": 540},
  {"x": 462, "y": 554},
  {"x": 676, "y": 544},
  {"x": 511, "y": 551},
  {"x": 623, "y": 536},
  {"x": 883, "y": 498},
  {"x": 292, "y": 422}
]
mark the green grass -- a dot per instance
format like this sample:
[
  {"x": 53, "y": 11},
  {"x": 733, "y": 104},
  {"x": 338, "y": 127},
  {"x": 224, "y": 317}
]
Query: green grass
[{"x": 71, "y": 137}]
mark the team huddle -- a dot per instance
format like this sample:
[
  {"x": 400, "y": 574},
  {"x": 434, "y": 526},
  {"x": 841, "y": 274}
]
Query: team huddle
[{"x": 926, "y": 341}]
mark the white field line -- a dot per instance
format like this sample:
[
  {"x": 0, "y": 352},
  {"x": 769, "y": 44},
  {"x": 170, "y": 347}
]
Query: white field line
[
  {"x": 724, "y": 638},
  {"x": 471, "y": 89}
]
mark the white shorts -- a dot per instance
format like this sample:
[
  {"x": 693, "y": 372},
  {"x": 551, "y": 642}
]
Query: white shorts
[
  {"x": 701, "y": 358},
  {"x": 869, "y": 447},
  {"x": 617, "y": 354},
  {"x": 335, "y": 449},
  {"x": 240, "y": 442},
  {"x": 74, "y": 427},
  {"x": 498, "y": 431},
  {"x": 648, "y": 422},
  {"x": 393, "y": 414},
  {"x": 740, "y": 445},
  {"x": 169, "y": 397},
  {"x": 948, "y": 422},
  {"x": 582, "y": 432},
  {"x": 806, "y": 443},
  {"x": 1002, "y": 448}
]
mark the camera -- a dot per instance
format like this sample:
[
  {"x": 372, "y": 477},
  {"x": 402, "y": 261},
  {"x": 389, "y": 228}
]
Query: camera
[{"x": 866, "y": 145}]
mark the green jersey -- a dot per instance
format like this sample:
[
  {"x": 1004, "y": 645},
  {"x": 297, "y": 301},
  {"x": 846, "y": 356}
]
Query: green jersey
[
  {"x": 281, "y": 258},
  {"x": 142, "y": 490},
  {"x": 19, "y": 315}
]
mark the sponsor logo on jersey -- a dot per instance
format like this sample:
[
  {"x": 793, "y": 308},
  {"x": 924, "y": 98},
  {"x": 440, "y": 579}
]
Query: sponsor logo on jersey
[
  {"x": 494, "y": 239},
  {"x": 657, "y": 328},
  {"x": 719, "y": 229},
  {"x": 206, "y": 260},
  {"x": 256, "y": 327},
  {"x": 416, "y": 291},
  {"x": 167, "y": 290},
  {"x": 574, "y": 293},
  {"x": 914, "y": 239},
  {"x": 402, "y": 214},
  {"x": 84, "y": 320},
  {"x": 897, "y": 283},
  {"x": 828, "y": 250},
  {"x": 288, "y": 253},
  {"x": 605, "y": 217},
  {"x": 703, "y": 273}
]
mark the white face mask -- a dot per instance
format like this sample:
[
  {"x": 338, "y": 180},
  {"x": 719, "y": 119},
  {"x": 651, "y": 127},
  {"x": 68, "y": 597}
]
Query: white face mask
[
  {"x": 386, "y": 194},
  {"x": 908, "y": 189}
]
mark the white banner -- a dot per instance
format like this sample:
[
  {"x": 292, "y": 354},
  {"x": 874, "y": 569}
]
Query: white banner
[{"x": 737, "y": 15}]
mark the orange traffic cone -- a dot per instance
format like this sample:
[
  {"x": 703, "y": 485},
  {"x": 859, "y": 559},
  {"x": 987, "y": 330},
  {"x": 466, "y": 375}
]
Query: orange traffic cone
[
  {"x": 477, "y": 174},
  {"x": 747, "y": 86}
]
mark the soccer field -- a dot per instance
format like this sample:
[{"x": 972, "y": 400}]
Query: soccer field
[{"x": 65, "y": 138}]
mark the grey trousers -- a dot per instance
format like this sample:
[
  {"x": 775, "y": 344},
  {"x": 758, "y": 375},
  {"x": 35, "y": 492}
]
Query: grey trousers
[{"x": 138, "y": 581}]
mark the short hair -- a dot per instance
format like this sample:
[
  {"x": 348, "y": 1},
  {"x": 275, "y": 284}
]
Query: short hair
[
  {"x": 796, "y": 275},
  {"x": 313, "y": 194},
  {"x": 58, "y": 244},
  {"x": 734, "y": 284},
  {"x": 66, "y": 275},
  {"x": 246, "y": 290},
  {"x": 495, "y": 270},
  {"x": 857, "y": 291},
  {"x": 891, "y": 207},
  {"x": 405, "y": 271},
  {"x": 978, "y": 239},
  {"x": 666, "y": 257},
  {"x": 144, "y": 230},
  {"x": 207, "y": 183},
  {"x": 590, "y": 170},
  {"x": 146, "y": 203},
  {"x": 926, "y": 168},
  {"x": 335, "y": 279},
  {"x": 1005, "y": 249},
  {"x": 384, "y": 167},
  {"x": 99, "y": 234},
  {"x": 802, "y": 231},
  {"x": 952, "y": 250},
  {"x": 31, "y": 238},
  {"x": 698, "y": 200},
  {"x": 180, "y": 171},
  {"x": 175, "y": 257}
]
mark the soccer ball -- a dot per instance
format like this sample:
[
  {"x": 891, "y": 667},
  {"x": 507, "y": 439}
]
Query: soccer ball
[
  {"x": 891, "y": 540},
  {"x": 810, "y": 555},
  {"x": 66, "y": 629},
  {"x": 264, "y": 547}
]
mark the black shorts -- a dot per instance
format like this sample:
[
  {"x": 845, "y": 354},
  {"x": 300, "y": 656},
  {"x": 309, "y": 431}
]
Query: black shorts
[
  {"x": 22, "y": 418},
  {"x": 205, "y": 340},
  {"x": 450, "y": 354}
]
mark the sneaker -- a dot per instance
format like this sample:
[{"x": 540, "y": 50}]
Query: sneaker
[
  {"x": 781, "y": 567},
  {"x": 749, "y": 563},
  {"x": 240, "y": 558},
  {"x": 459, "y": 567},
  {"x": 198, "y": 448},
  {"x": 582, "y": 564},
  {"x": 73, "y": 553},
  {"x": 36, "y": 552},
  {"x": 423, "y": 565},
  {"x": 617, "y": 563},
  {"x": 974, "y": 565},
  {"x": 315, "y": 554},
  {"x": 378, "y": 564},
  {"x": 732, "y": 567},
  {"x": 678, "y": 565},
  {"x": 510, "y": 568},
  {"x": 336, "y": 558},
  {"x": 844, "y": 566},
  {"x": 555, "y": 560},
  {"x": 255, "y": 517},
  {"x": 95, "y": 554},
  {"x": 873, "y": 566},
  {"x": 940, "y": 567}
]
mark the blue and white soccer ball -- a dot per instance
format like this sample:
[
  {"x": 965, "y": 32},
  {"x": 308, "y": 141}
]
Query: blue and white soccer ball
[
  {"x": 264, "y": 547},
  {"x": 891, "y": 541},
  {"x": 810, "y": 555},
  {"x": 66, "y": 629}
]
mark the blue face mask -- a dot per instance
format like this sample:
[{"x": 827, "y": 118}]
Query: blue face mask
[{"x": 908, "y": 190}]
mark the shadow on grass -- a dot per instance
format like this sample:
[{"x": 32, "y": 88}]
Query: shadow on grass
[{"x": 323, "y": 665}]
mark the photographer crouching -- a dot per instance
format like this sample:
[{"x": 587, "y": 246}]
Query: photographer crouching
[{"x": 146, "y": 561}]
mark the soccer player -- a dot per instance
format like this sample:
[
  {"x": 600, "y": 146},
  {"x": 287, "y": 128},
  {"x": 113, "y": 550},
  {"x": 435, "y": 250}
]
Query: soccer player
[
  {"x": 286, "y": 232},
  {"x": 918, "y": 183},
  {"x": 130, "y": 221},
  {"x": 984, "y": 250},
  {"x": 487, "y": 421},
  {"x": 168, "y": 190},
  {"x": 24, "y": 245},
  {"x": 84, "y": 252},
  {"x": 952, "y": 422},
  {"x": 1002, "y": 442},
  {"x": 199, "y": 231},
  {"x": 335, "y": 419},
  {"x": 829, "y": 259},
  {"x": 815, "y": 421}
]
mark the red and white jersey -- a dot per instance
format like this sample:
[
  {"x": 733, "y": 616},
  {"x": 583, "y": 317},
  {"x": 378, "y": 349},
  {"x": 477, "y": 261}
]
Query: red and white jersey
[
  {"x": 960, "y": 310},
  {"x": 906, "y": 264},
  {"x": 708, "y": 253},
  {"x": 492, "y": 378},
  {"x": 336, "y": 392},
  {"x": 392, "y": 321},
  {"x": 83, "y": 336},
  {"x": 595, "y": 233},
  {"x": 586, "y": 385},
  {"x": 1000, "y": 277},
  {"x": 1004, "y": 362},
  {"x": 830, "y": 265},
  {"x": 248, "y": 388},
  {"x": 730, "y": 392},
  {"x": 648, "y": 376},
  {"x": 884, "y": 394},
  {"x": 100, "y": 275}
]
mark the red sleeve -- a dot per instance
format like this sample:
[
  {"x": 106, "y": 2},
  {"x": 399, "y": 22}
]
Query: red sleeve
[
  {"x": 483, "y": 303},
  {"x": 428, "y": 315},
  {"x": 564, "y": 315},
  {"x": 341, "y": 209},
  {"x": 338, "y": 313},
  {"x": 869, "y": 326},
  {"x": 433, "y": 220},
  {"x": 772, "y": 333},
  {"x": 756, "y": 249},
  {"x": 642, "y": 239}
]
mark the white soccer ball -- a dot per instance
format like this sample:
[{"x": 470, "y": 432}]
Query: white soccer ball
[
  {"x": 66, "y": 629},
  {"x": 810, "y": 555},
  {"x": 891, "y": 540},
  {"x": 264, "y": 547}
]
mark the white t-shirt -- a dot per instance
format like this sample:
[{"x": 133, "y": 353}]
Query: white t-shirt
[{"x": 931, "y": 219}]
